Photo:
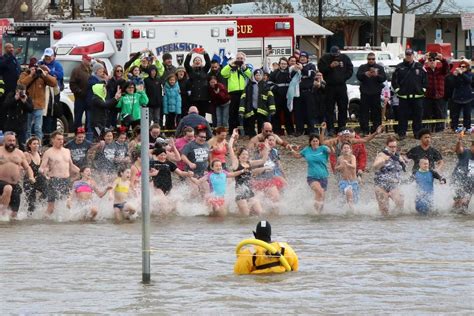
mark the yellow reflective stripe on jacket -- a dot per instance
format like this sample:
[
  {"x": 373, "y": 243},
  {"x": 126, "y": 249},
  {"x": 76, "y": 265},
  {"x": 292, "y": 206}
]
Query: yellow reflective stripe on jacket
[
  {"x": 262, "y": 111},
  {"x": 411, "y": 96}
]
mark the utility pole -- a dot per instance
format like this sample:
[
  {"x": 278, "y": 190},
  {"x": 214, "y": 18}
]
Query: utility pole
[
  {"x": 403, "y": 5},
  {"x": 145, "y": 181},
  {"x": 320, "y": 12},
  {"x": 376, "y": 22}
]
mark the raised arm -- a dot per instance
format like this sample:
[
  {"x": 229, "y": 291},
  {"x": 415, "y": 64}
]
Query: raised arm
[{"x": 233, "y": 158}]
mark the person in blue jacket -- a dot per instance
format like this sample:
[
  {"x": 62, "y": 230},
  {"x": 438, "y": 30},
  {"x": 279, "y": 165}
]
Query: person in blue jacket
[{"x": 172, "y": 101}]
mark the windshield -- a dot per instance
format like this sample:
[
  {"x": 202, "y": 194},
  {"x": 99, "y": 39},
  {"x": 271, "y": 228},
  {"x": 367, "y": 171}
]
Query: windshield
[
  {"x": 68, "y": 66},
  {"x": 357, "y": 56},
  {"x": 353, "y": 79},
  {"x": 33, "y": 46}
]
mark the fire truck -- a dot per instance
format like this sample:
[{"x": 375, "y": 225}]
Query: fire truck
[
  {"x": 32, "y": 37},
  {"x": 256, "y": 34},
  {"x": 113, "y": 42}
]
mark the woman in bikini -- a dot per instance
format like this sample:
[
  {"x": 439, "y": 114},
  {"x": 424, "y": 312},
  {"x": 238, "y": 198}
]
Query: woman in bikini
[
  {"x": 82, "y": 190},
  {"x": 219, "y": 146},
  {"x": 121, "y": 190}
]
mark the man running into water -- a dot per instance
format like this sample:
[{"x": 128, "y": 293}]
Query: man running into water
[
  {"x": 346, "y": 166},
  {"x": 267, "y": 129},
  {"x": 12, "y": 161},
  {"x": 57, "y": 166}
]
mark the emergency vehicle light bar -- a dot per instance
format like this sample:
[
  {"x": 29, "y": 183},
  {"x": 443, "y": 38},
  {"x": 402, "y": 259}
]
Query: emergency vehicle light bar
[
  {"x": 118, "y": 34},
  {"x": 88, "y": 50},
  {"x": 229, "y": 31},
  {"x": 136, "y": 33},
  {"x": 282, "y": 25}
]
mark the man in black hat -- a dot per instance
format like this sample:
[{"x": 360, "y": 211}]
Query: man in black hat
[
  {"x": 168, "y": 64},
  {"x": 336, "y": 68},
  {"x": 409, "y": 82},
  {"x": 258, "y": 260}
]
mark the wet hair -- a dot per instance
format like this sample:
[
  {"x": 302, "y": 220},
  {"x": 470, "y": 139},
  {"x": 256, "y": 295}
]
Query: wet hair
[
  {"x": 423, "y": 132},
  {"x": 220, "y": 129},
  {"x": 390, "y": 139},
  {"x": 134, "y": 155},
  {"x": 214, "y": 162},
  {"x": 313, "y": 136},
  {"x": 121, "y": 170},
  {"x": 241, "y": 150},
  {"x": 30, "y": 141},
  {"x": 81, "y": 170}
]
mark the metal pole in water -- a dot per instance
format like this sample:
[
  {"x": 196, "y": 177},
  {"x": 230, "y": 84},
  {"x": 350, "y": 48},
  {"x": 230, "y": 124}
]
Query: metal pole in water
[{"x": 145, "y": 141}]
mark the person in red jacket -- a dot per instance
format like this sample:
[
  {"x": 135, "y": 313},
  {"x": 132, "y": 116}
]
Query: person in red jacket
[
  {"x": 434, "y": 108},
  {"x": 220, "y": 102}
]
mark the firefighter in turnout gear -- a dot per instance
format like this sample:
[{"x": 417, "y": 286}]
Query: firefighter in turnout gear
[{"x": 256, "y": 103}]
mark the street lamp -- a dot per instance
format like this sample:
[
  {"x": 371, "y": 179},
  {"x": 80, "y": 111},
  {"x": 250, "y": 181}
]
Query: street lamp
[{"x": 23, "y": 9}]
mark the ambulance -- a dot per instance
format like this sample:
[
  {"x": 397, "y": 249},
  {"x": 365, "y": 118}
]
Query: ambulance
[
  {"x": 256, "y": 34},
  {"x": 113, "y": 42}
]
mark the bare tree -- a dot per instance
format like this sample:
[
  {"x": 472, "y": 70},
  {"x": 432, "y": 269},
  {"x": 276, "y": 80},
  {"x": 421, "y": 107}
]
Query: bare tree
[
  {"x": 273, "y": 6},
  {"x": 180, "y": 7},
  {"x": 113, "y": 9}
]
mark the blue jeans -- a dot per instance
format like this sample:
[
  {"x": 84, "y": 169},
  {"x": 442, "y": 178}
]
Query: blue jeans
[
  {"x": 35, "y": 118},
  {"x": 222, "y": 115}
]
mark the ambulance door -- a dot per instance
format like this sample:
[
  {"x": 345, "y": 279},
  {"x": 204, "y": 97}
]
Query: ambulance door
[
  {"x": 281, "y": 47},
  {"x": 253, "y": 48}
]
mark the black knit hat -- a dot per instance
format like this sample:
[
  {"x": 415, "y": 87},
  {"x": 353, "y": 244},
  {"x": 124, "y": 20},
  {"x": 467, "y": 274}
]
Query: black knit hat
[
  {"x": 263, "y": 231},
  {"x": 167, "y": 56}
]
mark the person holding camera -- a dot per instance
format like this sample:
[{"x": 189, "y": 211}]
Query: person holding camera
[
  {"x": 436, "y": 70},
  {"x": 36, "y": 79},
  {"x": 462, "y": 96},
  {"x": 371, "y": 77},
  {"x": 336, "y": 68},
  {"x": 237, "y": 73},
  {"x": 16, "y": 107}
]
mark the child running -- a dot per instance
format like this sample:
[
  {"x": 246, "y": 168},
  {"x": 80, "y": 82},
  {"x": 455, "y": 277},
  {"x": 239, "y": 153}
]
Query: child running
[
  {"x": 161, "y": 169},
  {"x": 424, "y": 178},
  {"x": 121, "y": 189},
  {"x": 245, "y": 196},
  {"x": 217, "y": 180},
  {"x": 346, "y": 166},
  {"x": 82, "y": 190}
]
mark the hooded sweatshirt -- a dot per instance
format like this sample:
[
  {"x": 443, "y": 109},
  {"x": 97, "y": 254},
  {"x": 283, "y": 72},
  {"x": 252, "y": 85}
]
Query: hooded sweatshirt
[
  {"x": 100, "y": 107},
  {"x": 130, "y": 104}
]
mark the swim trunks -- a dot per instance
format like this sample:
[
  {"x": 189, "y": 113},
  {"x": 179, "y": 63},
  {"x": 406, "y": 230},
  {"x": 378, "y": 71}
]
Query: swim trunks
[
  {"x": 15, "y": 196},
  {"x": 323, "y": 182},
  {"x": 344, "y": 185},
  {"x": 58, "y": 188}
]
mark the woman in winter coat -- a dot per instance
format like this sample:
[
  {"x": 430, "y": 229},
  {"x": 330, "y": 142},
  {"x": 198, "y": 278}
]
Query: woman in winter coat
[
  {"x": 172, "y": 102},
  {"x": 117, "y": 80},
  {"x": 197, "y": 73},
  {"x": 220, "y": 102},
  {"x": 100, "y": 107},
  {"x": 130, "y": 104},
  {"x": 184, "y": 87},
  {"x": 154, "y": 93},
  {"x": 280, "y": 81}
]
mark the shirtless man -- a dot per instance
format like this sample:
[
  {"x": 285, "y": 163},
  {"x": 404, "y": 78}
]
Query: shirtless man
[
  {"x": 57, "y": 167},
  {"x": 12, "y": 161},
  {"x": 346, "y": 166},
  {"x": 267, "y": 129}
]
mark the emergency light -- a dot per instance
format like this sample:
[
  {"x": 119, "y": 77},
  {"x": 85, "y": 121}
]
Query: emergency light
[
  {"x": 229, "y": 31},
  {"x": 118, "y": 34},
  {"x": 88, "y": 50},
  {"x": 136, "y": 33},
  {"x": 57, "y": 35},
  {"x": 282, "y": 25}
]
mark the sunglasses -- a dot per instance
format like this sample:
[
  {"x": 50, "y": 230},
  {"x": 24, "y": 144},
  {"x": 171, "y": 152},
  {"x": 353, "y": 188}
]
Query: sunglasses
[
  {"x": 119, "y": 70},
  {"x": 370, "y": 58}
]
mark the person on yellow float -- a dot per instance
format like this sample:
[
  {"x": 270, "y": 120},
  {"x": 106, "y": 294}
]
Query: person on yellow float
[{"x": 263, "y": 255}]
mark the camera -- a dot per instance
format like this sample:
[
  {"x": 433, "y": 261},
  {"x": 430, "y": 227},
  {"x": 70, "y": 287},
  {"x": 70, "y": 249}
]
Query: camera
[
  {"x": 432, "y": 56},
  {"x": 238, "y": 63},
  {"x": 39, "y": 71},
  {"x": 22, "y": 94}
]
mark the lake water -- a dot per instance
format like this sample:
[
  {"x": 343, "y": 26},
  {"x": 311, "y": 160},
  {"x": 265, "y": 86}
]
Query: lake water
[{"x": 361, "y": 264}]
